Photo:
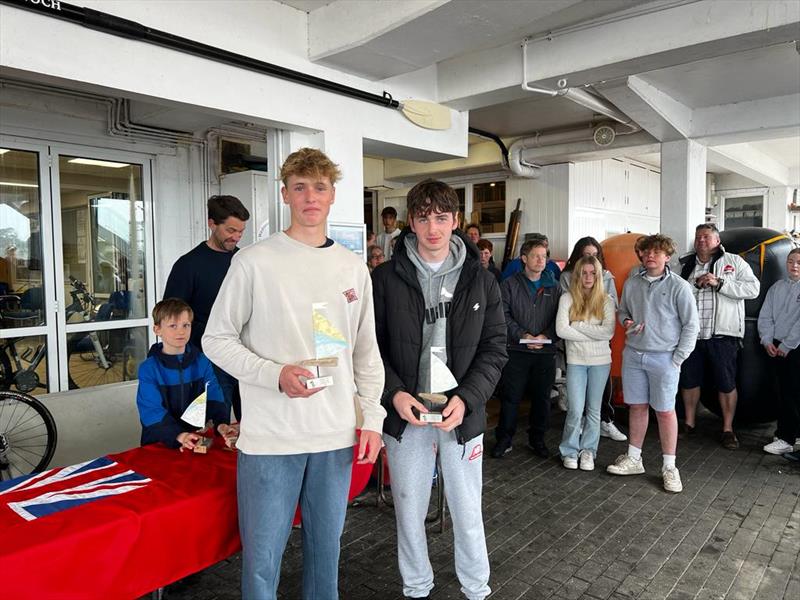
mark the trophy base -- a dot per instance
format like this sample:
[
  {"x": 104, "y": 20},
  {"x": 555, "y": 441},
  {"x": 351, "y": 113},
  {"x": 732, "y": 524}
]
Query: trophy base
[
  {"x": 431, "y": 417},
  {"x": 203, "y": 445},
  {"x": 319, "y": 382}
]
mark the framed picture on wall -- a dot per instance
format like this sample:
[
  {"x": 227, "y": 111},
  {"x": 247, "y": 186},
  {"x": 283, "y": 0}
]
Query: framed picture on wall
[{"x": 350, "y": 235}]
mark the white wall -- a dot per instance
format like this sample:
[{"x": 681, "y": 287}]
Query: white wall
[{"x": 266, "y": 30}]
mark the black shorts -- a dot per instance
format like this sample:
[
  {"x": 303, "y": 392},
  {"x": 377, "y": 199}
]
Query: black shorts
[{"x": 717, "y": 354}]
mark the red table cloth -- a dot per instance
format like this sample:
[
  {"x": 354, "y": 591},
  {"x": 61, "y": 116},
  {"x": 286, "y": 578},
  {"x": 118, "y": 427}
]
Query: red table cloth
[{"x": 177, "y": 515}]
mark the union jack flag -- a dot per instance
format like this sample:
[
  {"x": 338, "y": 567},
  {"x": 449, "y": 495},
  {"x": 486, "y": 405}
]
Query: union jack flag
[{"x": 41, "y": 494}]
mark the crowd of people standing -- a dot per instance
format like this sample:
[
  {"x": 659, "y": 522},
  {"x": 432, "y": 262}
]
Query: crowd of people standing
[{"x": 431, "y": 298}]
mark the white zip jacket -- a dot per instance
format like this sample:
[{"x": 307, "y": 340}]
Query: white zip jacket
[{"x": 739, "y": 283}]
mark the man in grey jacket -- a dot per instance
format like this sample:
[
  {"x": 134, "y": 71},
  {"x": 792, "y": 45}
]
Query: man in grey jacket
[
  {"x": 659, "y": 314},
  {"x": 721, "y": 282}
]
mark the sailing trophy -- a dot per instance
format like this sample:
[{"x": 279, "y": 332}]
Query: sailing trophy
[
  {"x": 195, "y": 415},
  {"x": 328, "y": 342},
  {"x": 441, "y": 380}
]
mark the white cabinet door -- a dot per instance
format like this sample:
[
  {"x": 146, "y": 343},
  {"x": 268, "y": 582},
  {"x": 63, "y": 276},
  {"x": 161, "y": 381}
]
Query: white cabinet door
[
  {"x": 614, "y": 184},
  {"x": 653, "y": 194},
  {"x": 637, "y": 189},
  {"x": 587, "y": 184}
]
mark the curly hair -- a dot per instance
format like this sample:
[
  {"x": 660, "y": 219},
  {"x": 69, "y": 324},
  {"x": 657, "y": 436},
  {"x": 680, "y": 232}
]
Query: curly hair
[{"x": 310, "y": 162}]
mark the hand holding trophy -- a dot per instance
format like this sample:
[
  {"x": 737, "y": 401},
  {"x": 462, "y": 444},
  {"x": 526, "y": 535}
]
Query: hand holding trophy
[
  {"x": 441, "y": 380},
  {"x": 328, "y": 342}
]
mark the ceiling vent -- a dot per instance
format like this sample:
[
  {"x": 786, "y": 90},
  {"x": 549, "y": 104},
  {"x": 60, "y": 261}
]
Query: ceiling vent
[{"x": 604, "y": 134}]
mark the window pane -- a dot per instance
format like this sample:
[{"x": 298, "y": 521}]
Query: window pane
[
  {"x": 20, "y": 240},
  {"x": 462, "y": 215},
  {"x": 23, "y": 364},
  {"x": 101, "y": 357},
  {"x": 489, "y": 201},
  {"x": 102, "y": 220}
]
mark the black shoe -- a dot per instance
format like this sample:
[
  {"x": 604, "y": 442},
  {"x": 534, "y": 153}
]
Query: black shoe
[
  {"x": 539, "y": 449},
  {"x": 792, "y": 456},
  {"x": 729, "y": 440},
  {"x": 686, "y": 431},
  {"x": 501, "y": 449}
]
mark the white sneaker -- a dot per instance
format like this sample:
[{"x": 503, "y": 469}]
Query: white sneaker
[
  {"x": 672, "y": 480},
  {"x": 610, "y": 430},
  {"x": 778, "y": 447},
  {"x": 625, "y": 465},
  {"x": 569, "y": 462},
  {"x": 587, "y": 461}
]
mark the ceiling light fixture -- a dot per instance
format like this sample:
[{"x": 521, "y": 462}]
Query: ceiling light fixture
[
  {"x": 98, "y": 163},
  {"x": 25, "y": 185}
]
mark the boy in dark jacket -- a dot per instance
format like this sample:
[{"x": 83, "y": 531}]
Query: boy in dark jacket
[
  {"x": 434, "y": 295},
  {"x": 172, "y": 376},
  {"x": 530, "y": 302}
]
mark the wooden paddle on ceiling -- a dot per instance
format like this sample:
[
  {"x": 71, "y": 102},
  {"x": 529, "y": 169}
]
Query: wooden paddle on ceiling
[{"x": 429, "y": 115}]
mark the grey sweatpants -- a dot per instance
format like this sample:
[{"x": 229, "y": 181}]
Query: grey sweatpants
[{"x": 411, "y": 464}]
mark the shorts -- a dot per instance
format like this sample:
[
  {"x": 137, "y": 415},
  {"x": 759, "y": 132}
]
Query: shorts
[
  {"x": 717, "y": 355},
  {"x": 649, "y": 378}
]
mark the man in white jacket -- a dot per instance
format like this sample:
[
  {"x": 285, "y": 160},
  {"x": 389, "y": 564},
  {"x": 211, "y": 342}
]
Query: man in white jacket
[
  {"x": 721, "y": 282},
  {"x": 281, "y": 299}
]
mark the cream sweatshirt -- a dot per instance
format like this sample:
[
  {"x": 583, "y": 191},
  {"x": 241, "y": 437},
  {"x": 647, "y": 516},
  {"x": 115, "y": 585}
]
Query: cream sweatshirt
[
  {"x": 587, "y": 341},
  {"x": 262, "y": 321}
]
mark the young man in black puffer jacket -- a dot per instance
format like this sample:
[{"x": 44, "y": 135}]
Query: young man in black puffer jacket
[{"x": 434, "y": 295}]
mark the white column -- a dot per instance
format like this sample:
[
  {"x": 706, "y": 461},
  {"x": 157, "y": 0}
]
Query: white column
[
  {"x": 776, "y": 208},
  {"x": 683, "y": 191}
]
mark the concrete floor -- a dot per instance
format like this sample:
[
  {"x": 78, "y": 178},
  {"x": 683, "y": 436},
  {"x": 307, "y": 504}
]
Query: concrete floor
[{"x": 733, "y": 533}]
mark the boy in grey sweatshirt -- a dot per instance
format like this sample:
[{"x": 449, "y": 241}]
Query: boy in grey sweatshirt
[{"x": 659, "y": 314}]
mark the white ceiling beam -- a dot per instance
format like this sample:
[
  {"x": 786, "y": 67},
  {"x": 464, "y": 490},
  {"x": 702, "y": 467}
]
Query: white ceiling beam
[
  {"x": 750, "y": 121},
  {"x": 346, "y": 24},
  {"x": 751, "y": 163},
  {"x": 613, "y": 49},
  {"x": 656, "y": 112}
]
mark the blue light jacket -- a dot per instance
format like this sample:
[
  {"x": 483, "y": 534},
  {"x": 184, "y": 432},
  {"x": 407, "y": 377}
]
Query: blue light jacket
[{"x": 167, "y": 385}]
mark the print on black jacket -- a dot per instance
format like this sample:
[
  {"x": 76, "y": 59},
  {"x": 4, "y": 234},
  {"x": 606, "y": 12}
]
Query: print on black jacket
[{"x": 476, "y": 335}]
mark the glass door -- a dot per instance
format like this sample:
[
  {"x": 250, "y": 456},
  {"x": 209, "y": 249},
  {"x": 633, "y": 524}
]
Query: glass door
[
  {"x": 27, "y": 302},
  {"x": 103, "y": 233}
]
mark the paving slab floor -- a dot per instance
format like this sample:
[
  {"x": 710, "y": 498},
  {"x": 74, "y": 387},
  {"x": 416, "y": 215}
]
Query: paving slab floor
[{"x": 733, "y": 533}]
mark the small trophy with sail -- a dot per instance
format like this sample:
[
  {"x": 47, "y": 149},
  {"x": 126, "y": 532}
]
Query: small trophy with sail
[
  {"x": 328, "y": 342},
  {"x": 442, "y": 380},
  {"x": 195, "y": 414}
]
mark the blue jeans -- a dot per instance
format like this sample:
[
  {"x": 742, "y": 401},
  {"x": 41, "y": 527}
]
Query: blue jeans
[
  {"x": 585, "y": 385},
  {"x": 268, "y": 489}
]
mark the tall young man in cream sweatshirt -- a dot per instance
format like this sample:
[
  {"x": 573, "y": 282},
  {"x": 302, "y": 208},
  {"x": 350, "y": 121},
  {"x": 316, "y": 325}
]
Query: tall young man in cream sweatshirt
[
  {"x": 296, "y": 444},
  {"x": 434, "y": 294}
]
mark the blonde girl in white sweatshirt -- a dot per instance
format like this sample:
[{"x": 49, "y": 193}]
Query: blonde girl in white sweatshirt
[{"x": 585, "y": 321}]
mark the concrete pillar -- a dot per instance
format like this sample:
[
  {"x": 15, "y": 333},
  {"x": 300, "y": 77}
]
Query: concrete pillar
[
  {"x": 683, "y": 191},
  {"x": 776, "y": 208}
]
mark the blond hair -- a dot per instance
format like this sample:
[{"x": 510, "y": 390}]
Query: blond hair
[
  {"x": 585, "y": 306},
  {"x": 310, "y": 162}
]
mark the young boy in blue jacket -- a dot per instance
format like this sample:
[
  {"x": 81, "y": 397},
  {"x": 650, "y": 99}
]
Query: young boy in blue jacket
[{"x": 172, "y": 376}]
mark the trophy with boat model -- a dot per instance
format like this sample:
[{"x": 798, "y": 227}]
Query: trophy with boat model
[
  {"x": 328, "y": 342},
  {"x": 441, "y": 380}
]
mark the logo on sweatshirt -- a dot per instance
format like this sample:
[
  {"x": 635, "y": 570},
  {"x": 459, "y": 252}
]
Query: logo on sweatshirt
[
  {"x": 476, "y": 306},
  {"x": 350, "y": 295},
  {"x": 728, "y": 269}
]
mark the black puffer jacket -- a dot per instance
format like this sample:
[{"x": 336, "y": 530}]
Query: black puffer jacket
[{"x": 476, "y": 335}]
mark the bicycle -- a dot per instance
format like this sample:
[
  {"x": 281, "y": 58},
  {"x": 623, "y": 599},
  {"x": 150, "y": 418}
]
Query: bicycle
[
  {"x": 91, "y": 358},
  {"x": 28, "y": 435}
]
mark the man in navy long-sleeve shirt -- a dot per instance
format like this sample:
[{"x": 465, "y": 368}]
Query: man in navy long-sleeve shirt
[{"x": 197, "y": 276}]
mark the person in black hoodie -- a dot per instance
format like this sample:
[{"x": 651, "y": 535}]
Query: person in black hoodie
[
  {"x": 172, "y": 376},
  {"x": 434, "y": 296}
]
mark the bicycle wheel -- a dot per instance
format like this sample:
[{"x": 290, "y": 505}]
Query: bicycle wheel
[
  {"x": 27, "y": 435},
  {"x": 86, "y": 370}
]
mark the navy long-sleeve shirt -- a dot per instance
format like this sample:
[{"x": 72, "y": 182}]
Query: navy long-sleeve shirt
[{"x": 196, "y": 278}]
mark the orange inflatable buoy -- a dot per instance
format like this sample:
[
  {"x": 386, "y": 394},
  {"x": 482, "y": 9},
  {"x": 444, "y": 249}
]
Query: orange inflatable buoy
[{"x": 620, "y": 258}]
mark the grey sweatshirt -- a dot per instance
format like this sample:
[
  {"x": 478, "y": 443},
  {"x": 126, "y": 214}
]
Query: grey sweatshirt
[
  {"x": 669, "y": 313},
  {"x": 779, "y": 318},
  {"x": 437, "y": 289}
]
